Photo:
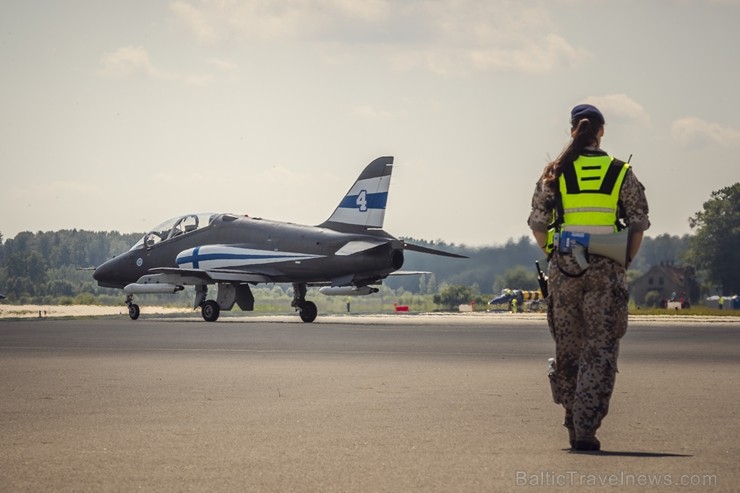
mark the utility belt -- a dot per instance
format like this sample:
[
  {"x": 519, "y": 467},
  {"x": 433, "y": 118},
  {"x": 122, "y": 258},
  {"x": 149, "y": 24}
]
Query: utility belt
[{"x": 614, "y": 246}]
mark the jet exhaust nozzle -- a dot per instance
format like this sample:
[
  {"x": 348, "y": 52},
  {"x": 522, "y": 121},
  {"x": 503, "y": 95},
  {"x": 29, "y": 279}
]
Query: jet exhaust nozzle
[
  {"x": 347, "y": 290},
  {"x": 397, "y": 259},
  {"x": 165, "y": 287}
]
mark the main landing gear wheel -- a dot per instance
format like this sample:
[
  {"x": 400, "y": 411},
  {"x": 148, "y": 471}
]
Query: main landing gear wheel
[
  {"x": 210, "y": 311},
  {"x": 308, "y": 311}
]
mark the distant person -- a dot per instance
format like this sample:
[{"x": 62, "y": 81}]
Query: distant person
[
  {"x": 721, "y": 302},
  {"x": 586, "y": 190},
  {"x": 349, "y": 301}
]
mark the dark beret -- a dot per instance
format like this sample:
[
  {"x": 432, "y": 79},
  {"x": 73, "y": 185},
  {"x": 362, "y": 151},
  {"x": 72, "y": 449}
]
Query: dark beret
[{"x": 586, "y": 111}]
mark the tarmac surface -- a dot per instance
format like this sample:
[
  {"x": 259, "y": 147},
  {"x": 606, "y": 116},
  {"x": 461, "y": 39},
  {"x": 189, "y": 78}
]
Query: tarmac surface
[{"x": 394, "y": 403}]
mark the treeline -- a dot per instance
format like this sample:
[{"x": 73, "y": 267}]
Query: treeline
[
  {"x": 49, "y": 267},
  {"x": 56, "y": 266},
  {"x": 490, "y": 269}
]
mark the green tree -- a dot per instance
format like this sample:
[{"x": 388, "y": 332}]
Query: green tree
[
  {"x": 517, "y": 277},
  {"x": 431, "y": 284},
  {"x": 715, "y": 247},
  {"x": 60, "y": 287},
  {"x": 18, "y": 287},
  {"x": 30, "y": 265},
  {"x": 453, "y": 295}
]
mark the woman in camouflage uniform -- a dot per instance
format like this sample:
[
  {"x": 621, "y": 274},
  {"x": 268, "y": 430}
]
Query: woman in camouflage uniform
[{"x": 587, "y": 309}]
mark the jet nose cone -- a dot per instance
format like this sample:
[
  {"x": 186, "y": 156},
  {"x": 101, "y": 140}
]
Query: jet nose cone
[
  {"x": 108, "y": 274},
  {"x": 102, "y": 272}
]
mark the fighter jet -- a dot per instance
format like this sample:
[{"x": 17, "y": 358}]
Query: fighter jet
[
  {"x": 346, "y": 254},
  {"x": 533, "y": 298}
]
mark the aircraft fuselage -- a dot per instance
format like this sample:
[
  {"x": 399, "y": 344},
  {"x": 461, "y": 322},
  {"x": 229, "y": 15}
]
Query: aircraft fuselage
[{"x": 260, "y": 245}]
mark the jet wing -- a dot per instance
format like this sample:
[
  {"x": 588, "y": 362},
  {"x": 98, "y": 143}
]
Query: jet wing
[{"x": 357, "y": 246}]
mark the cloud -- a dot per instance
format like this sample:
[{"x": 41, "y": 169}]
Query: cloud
[
  {"x": 225, "y": 65},
  {"x": 128, "y": 61},
  {"x": 443, "y": 37},
  {"x": 197, "y": 21},
  {"x": 216, "y": 21},
  {"x": 131, "y": 61},
  {"x": 695, "y": 132},
  {"x": 539, "y": 56},
  {"x": 619, "y": 108}
]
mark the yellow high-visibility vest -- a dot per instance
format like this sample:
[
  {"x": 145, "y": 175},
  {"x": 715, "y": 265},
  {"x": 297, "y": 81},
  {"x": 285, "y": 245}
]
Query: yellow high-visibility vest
[{"x": 589, "y": 196}]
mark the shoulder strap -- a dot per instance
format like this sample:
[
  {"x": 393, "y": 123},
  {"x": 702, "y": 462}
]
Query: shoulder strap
[
  {"x": 569, "y": 175},
  {"x": 612, "y": 174}
]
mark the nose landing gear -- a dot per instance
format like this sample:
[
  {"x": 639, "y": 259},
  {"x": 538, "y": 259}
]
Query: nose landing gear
[{"x": 133, "y": 308}]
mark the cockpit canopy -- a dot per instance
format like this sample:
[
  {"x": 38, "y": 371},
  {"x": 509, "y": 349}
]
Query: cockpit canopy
[{"x": 175, "y": 227}]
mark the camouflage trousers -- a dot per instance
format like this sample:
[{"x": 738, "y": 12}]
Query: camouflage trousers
[{"x": 587, "y": 316}]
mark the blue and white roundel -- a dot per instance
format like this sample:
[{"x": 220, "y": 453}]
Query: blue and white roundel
[{"x": 223, "y": 257}]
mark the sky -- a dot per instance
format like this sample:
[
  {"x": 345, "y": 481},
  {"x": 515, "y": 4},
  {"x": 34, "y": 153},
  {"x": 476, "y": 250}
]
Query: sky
[{"x": 121, "y": 115}]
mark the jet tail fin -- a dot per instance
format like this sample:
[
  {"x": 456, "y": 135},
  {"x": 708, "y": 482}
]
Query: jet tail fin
[{"x": 363, "y": 207}]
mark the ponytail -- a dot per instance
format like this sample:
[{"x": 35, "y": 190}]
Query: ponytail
[{"x": 585, "y": 134}]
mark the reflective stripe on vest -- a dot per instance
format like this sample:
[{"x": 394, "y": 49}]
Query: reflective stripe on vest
[{"x": 589, "y": 190}]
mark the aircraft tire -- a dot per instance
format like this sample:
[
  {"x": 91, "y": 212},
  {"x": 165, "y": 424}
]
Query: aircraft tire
[
  {"x": 210, "y": 311},
  {"x": 133, "y": 311},
  {"x": 309, "y": 311}
]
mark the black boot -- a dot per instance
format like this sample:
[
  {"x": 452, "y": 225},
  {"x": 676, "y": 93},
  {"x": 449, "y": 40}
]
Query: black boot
[
  {"x": 587, "y": 444},
  {"x": 568, "y": 423}
]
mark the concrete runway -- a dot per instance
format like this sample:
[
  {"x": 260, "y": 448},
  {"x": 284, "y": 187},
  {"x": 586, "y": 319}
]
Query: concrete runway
[{"x": 355, "y": 404}]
